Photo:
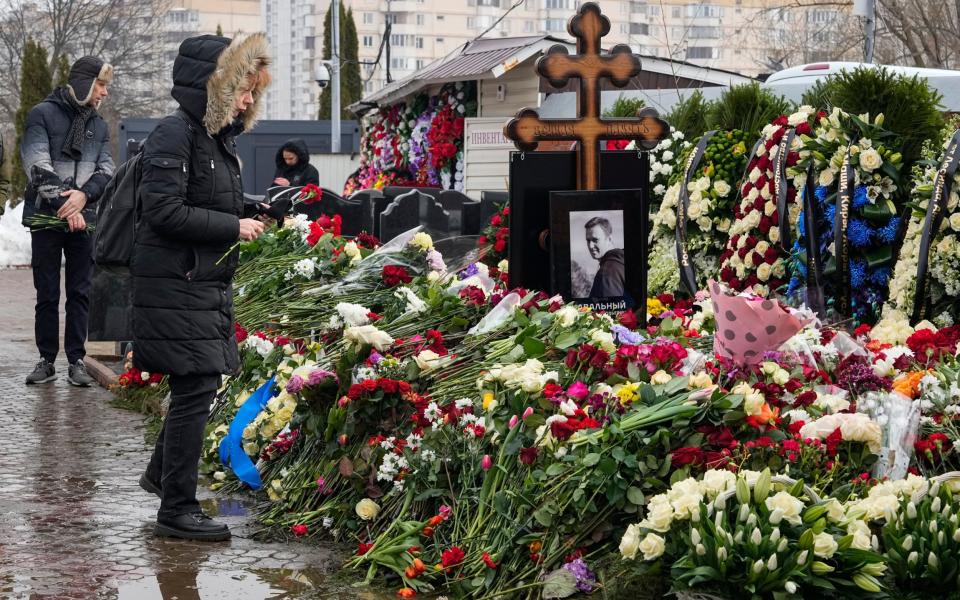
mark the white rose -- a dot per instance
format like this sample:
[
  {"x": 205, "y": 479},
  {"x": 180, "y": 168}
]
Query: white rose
[
  {"x": 781, "y": 377},
  {"x": 630, "y": 542},
  {"x": 861, "y": 535},
  {"x": 723, "y": 225},
  {"x": 870, "y": 160},
  {"x": 835, "y": 510},
  {"x": 789, "y": 506},
  {"x": 861, "y": 428},
  {"x": 704, "y": 223},
  {"x": 699, "y": 381},
  {"x": 661, "y": 377},
  {"x": 774, "y": 235},
  {"x": 826, "y": 177},
  {"x": 659, "y": 515},
  {"x": 718, "y": 480},
  {"x": 427, "y": 360},
  {"x": 754, "y": 175},
  {"x": 824, "y": 545},
  {"x": 566, "y": 316},
  {"x": 797, "y": 118},
  {"x": 955, "y": 221},
  {"x": 695, "y": 210},
  {"x": 604, "y": 339},
  {"x": 763, "y": 272},
  {"x": 368, "y": 335},
  {"x": 652, "y": 546},
  {"x": 722, "y": 188},
  {"x": 753, "y": 403},
  {"x": 367, "y": 509}
]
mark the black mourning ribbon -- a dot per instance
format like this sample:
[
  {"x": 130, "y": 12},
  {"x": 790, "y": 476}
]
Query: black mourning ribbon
[
  {"x": 936, "y": 211},
  {"x": 815, "y": 298},
  {"x": 841, "y": 244},
  {"x": 688, "y": 274}
]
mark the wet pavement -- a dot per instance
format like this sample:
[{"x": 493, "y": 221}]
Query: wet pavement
[{"x": 75, "y": 524}]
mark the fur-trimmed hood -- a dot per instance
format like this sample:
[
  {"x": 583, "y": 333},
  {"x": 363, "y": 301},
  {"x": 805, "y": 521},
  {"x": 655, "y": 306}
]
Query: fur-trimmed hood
[{"x": 208, "y": 72}]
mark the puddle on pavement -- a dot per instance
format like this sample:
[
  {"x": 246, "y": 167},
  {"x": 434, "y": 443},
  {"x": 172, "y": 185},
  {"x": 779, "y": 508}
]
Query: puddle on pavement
[
  {"x": 262, "y": 584},
  {"x": 226, "y": 507}
]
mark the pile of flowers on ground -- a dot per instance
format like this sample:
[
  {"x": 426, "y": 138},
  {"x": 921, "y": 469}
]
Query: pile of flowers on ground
[{"x": 419, "y": 144}]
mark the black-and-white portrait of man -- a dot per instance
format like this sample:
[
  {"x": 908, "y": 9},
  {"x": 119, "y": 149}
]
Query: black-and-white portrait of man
[{"x": 596, "y": 252}]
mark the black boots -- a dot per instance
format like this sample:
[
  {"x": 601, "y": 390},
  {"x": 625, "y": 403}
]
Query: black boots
[{"x": 192, "y": 526}]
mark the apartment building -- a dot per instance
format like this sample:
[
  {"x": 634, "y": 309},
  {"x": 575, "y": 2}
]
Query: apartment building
[
  {"x": 746, "y": 36},
  {"x": 295, "y": 31}
]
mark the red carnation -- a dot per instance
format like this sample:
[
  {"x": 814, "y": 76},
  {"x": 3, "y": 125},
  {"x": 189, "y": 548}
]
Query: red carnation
[{"x": 452, "y": 557}]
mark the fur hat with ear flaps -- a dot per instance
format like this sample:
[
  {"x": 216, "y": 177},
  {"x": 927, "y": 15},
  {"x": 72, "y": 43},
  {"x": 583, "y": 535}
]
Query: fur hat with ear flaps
[
  {"x": 210, "y": 70},
  {"x": 84, "y": 73}
]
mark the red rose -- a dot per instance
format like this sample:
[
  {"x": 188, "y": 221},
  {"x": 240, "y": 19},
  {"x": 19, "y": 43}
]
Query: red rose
[
  {"x": 300, "y": 530},
  {"x": 804, "y": 129},
  {"x": 355, "y": 391},
  {"x": 369, "y": 385},
  {"x": 500, "y": 245},
  {"x": 240, "y": 332},
  {"x": 389, "y": 386},
  {"x": 686, "y": 456},
  {"x": 528, "y": 455},
  {"x": 629, "y": 319},
  {"x": 394, "y": 275},
  {"x": 363, "y": 548},
  {"x": 404, "y": 387}
]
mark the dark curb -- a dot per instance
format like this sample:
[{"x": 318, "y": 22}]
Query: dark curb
[{"x": 103, "y": 374}]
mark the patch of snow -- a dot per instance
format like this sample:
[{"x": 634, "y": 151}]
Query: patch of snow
[{"x": 14, "y": 238}]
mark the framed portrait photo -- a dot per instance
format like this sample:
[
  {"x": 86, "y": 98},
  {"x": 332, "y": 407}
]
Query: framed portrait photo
[{"x": 596, "y": 254}]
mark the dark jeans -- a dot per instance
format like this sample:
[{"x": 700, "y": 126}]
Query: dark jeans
[
  {"x": 177, "y": 453},
  {"x": 49, "y": 247}
]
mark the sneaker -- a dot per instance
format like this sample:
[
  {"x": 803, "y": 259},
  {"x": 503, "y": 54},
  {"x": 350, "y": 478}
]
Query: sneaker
[
  {"x": 77, "y": 375},
  {"x": 193, "y": 526},
  {"x": 42, "y": 373}
]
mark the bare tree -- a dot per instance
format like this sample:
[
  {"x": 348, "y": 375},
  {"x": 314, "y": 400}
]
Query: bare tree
[{"x": 127, "y": 34}]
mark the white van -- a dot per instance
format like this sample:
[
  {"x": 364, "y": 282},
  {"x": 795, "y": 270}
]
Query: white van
[{"x": 793, "y": 82}]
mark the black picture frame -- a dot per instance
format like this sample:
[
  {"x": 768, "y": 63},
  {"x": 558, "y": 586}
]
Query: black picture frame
[
  {"x": 569, "y": 213},
  {"x": 533, "y": 176}
]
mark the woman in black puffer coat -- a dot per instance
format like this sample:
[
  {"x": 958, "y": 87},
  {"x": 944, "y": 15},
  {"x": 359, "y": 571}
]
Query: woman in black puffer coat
[
  {"x": 192, "y": 208},
  {"x": 293, "y": 165}
]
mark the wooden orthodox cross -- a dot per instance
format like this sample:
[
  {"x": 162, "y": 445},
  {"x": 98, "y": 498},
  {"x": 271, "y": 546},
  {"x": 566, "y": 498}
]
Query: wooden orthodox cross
[{"x": 589, "y": 65}]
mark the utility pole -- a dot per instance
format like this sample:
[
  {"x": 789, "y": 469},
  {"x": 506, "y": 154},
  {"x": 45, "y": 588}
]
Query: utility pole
[
  {"x": 335, "y": 77},
  {"x": 868, "y": 10}
]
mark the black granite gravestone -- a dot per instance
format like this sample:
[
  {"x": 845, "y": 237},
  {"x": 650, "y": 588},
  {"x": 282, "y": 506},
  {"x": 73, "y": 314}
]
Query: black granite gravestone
[{"x": 403, "y": 214}]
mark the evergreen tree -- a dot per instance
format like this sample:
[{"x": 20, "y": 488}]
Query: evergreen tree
[
  {"x": 35, "y": 85},
  {"x": 219, "y": 30},
  {"x": 63, "y": 71},
  {"x": 351, "y": 86}
]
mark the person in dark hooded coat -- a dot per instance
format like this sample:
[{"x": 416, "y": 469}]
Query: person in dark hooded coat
[
  {"x": 192, "y": 214},
  {"x": 293, "y": 165}
]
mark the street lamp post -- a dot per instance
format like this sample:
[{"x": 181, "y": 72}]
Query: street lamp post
[{"x": 335, "y": 77}]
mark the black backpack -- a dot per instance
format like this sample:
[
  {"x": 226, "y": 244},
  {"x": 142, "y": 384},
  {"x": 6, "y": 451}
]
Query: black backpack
[{"x": 118, "y": 213}]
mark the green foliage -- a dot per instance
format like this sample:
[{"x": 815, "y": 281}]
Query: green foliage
[
  {"x": 690, "y": 116},
  {"x": 911, "y": 108},
  {"x": 746, "y": 107},
  {"x": 35, "y": 85},
  {"x": 63, "y": 71},
  {"x": 625, "y": 107},
  {"x": 351, "y": 85}
]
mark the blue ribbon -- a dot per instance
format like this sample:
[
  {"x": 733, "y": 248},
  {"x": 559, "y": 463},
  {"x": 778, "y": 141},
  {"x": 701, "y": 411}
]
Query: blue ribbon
[{"x": 232, "y": 454}]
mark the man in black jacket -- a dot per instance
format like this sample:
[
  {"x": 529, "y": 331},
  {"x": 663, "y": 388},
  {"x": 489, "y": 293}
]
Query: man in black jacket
[
  {"x": 609, "y": 280},
  {"x": 65, "y": 151},
  {"x": 293, "y": 165}
]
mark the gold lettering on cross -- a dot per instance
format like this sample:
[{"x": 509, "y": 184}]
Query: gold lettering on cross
[{"x": 590, "y": 65}]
